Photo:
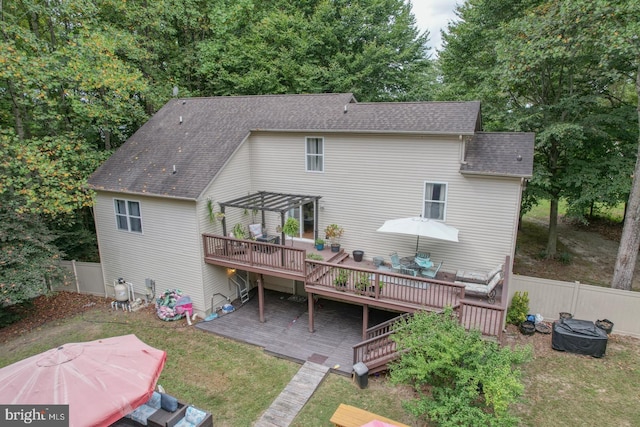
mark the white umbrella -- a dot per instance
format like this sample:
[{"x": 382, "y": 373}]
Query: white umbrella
[{"x": 418, "y": 226}]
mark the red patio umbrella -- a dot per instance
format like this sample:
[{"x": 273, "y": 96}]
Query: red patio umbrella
[{"x": 100, "y": 380}]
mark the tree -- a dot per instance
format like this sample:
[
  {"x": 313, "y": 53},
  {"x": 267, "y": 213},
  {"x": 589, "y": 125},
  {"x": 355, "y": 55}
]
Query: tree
[
  {"x": 370, "y": 48},
  {"x": 541, "y": 69},
  {"x": 28, "y": 260},
  {"x": 459, "y": 378}
]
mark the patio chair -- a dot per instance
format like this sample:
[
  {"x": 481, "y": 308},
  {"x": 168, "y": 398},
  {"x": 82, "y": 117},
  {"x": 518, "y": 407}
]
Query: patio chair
[
  {"x": 395, "y": 262},
  {"x": 431, "y": 272},
  {"x": 255, "y": 230},
  {"x": 423, "y": 255}
]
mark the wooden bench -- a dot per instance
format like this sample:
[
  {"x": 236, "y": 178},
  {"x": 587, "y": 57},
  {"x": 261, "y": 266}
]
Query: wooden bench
[{"x": 350, "y": 416}]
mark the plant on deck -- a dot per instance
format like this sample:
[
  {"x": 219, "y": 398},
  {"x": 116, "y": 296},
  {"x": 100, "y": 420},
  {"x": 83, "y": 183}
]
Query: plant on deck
[{"x": 291, "y": 228}]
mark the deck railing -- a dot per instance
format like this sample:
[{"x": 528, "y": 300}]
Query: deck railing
[
  {"x": 385, "y": 285},
  {"x": 254, "y": 253},
  {"x": 488, "y": 318}
]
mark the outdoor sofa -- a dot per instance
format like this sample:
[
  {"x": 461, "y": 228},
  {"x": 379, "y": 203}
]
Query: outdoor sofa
[
  {"x": 483, "y": 284},
  {"x": 161, "y": 410}
]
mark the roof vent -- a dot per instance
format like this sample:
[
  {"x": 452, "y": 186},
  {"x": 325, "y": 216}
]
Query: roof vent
[
  {"x": 174, "y": 169},
  {"x": 180, "y": 119},
  {"x": 345, "y": 108}
]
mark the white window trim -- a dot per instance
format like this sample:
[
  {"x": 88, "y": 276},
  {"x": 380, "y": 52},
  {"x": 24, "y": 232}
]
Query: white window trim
[
  {"x": 128, "y": 215},
  {"x": 445, "y": 201},
  {"x": 307, "y": 154}
]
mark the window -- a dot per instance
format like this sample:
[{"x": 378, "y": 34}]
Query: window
[
  {"x": 435, "y": 200},
  {"x": 128, "y": 216},
  {"x": 314, "y": 152}
]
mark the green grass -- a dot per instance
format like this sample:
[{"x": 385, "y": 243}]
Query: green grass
[
  {"x": 540, "y": 212},
  {"x": 237, "y": 382}
]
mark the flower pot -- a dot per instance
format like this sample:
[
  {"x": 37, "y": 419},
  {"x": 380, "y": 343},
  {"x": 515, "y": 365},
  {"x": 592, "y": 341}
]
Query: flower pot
[
  {"x": 320, "y": 247},
  {"x": 605, "y": 324},
  {"x": 527, "y": 328},
  {"x": 335, "y": 247},
  {"x": 357, "y": 255}
]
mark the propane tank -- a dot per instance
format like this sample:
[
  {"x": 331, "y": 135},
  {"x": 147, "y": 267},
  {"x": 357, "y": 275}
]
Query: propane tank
[{"x": 120, "y": 289}]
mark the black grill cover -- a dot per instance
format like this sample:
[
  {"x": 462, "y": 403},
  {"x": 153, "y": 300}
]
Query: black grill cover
[{"x": 579, "y": 336}]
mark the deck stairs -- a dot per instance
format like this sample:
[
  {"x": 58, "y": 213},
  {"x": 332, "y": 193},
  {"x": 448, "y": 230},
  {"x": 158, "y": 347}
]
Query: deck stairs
[
  {"x": 378, "y": 349},
  {"x": 242, "y": 286}
]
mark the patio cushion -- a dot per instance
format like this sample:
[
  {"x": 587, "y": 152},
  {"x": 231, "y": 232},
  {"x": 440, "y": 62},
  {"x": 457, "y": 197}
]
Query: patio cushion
[
  {"x": 475, "y": 277},
  {"x": 192, "y": 417},
  {"x": 155, "y": 400},
  {"x": 141, "y": 413},
  {"x": 169, "y": 403}
]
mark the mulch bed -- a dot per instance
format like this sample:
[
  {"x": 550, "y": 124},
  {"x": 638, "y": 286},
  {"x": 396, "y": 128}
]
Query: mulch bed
[{"x": 44, "y": 309}]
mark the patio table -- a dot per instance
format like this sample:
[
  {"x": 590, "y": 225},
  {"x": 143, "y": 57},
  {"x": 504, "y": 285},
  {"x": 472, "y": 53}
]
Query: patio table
[{"x": 410, "y": 262}]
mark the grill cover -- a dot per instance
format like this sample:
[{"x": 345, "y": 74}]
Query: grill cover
[{"x": 579, "y": 336}]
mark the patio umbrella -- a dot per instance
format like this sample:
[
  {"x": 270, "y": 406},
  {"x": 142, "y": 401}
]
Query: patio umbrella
[
  {"x": 418, "y": 226},
  {"x": 100, "y": 380}
]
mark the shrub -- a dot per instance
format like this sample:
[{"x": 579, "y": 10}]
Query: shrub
[
  {"x": 460, "y": 378},
  {"x": 316, "y": 257},
  {"x": 519, "y": 308}
]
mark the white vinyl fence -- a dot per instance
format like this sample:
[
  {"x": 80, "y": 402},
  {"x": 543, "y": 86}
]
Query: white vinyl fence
[
  {"x": 83, "y": 277},
  {"x": 587, "y": 302}
]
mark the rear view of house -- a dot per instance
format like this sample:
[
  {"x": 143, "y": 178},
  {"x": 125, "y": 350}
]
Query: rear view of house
[{"x": 201, "y": 167}]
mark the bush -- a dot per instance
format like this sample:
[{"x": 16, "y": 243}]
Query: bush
[
  {"x": 460, "y": 378},
  {"x": 519, "y": 308}
]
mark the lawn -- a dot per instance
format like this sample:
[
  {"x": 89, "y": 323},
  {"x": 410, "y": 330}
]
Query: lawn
[{"x": 237, "y": 382}]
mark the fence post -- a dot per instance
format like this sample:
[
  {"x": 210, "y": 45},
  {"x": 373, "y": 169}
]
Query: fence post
[{"x": 75, "y": 275}]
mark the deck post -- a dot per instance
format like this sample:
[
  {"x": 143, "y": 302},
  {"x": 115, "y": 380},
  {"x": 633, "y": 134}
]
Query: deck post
[
  {"x": 310, "y": 302},
  {"x": 261, "y": 298},
  {"x": 365, "y": 321}
]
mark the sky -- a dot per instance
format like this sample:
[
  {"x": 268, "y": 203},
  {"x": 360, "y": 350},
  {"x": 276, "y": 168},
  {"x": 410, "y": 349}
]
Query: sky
[{"x": 434, "y": 15}]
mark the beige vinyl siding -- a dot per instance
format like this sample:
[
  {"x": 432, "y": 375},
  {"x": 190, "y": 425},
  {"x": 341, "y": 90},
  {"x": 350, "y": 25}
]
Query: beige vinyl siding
[
  {"x": 167, "y": 251},
  {"x": 371, "y": 178},
  {"x": 232, "y": 182}
]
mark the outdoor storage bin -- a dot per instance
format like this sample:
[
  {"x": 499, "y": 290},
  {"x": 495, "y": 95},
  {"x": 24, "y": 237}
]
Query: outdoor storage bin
[
  {"x": 579, "y": 336},
  {"x": 361, "y": 374}
]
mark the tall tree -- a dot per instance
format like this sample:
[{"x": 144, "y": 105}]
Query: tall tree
[
  {"x": 542, "y": 71},
  {"x": 371, "y": 48}
]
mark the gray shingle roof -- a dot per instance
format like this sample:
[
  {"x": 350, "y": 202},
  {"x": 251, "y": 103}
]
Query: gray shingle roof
[
  {"x": 198, "y": 135},
  {"x": 504, "y": 154}
]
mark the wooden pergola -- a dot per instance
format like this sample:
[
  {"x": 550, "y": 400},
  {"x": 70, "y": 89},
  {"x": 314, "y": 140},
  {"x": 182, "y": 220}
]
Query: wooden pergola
[{"x": 264, "y": 201}]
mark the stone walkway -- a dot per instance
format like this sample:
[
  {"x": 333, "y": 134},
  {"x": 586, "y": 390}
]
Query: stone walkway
[{"x": 294, "y": 396}]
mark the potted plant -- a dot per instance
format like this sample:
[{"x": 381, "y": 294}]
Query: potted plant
[
  {"x": 333, "y": 232},
  {"x": 363, "y": 283},
  {"x": 340, "y": 281},
  {"x": 319, "y": 244},
  {"x": 239, "y": 232},
  {"x": 291, "y": 228}
]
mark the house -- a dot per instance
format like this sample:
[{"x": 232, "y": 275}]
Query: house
[{"x": 322, "y": 158}]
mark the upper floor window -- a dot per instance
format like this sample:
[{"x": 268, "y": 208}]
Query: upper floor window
[
  {"x": 435, "y": 200},
  {"x": 314, "y": 152},
  {"x": 128, "y": 216}
]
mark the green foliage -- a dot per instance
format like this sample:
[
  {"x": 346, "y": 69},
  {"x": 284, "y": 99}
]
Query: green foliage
[
  {"x": 333, "y": 232},
  {"x": 239, "y": 231},
  {"x": 29, "y": 261},
  {"x": 316, "y": 257},
  {"x": 519, "y": 308},
  {"x": 460, "y": 378},
  {"x": 341, "y": 278},
  {"x": 319, "y": 242},
  {"x": 291, "y": 228}
]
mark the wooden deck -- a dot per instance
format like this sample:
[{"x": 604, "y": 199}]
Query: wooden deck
[{"x": 285, "y": 333}]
